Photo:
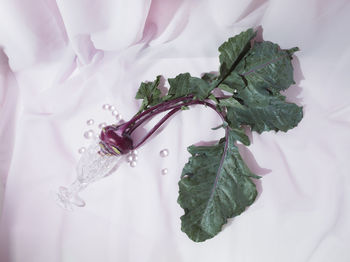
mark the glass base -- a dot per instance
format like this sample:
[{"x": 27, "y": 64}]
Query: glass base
[{"x": 68, "y": 199}]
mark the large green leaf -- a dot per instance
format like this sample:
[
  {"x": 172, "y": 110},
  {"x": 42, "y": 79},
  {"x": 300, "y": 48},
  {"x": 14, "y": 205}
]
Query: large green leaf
[
  {"x": 215, "y": 185},
  {"x": 261, "y": 110},
  {"x": 185, "y": 84},
  {"x": 255, "y": 84},
  {"x": 149, "y": 92},
  {"x": 233, "y": 50},
  {"x": 268, "y": 66}
]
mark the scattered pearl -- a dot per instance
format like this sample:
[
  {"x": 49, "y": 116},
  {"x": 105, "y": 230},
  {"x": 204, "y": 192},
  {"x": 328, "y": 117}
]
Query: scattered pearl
[
  {"x": 102, "y": 125},
  {"x": 106, "y": 107},
  {"x": 130, "y": 158},
  {"x": 89, "y": 134},
  {"x": 111, "y": 108},
  {"x": 115, "y": 113},
  {"x": 81, "y": 150},
  {"x": 164, "y": 171},
  {"x": 90, "y": 122},
  {"x": 133, "y": 163},
  {"x": 235, "y": 91},
  {"x": 134, "y": 158},
  {"x": 164, "y": 153}
]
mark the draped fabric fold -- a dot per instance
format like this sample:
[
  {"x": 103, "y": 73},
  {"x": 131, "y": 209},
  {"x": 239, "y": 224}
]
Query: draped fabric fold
[{"x": 60, "y": 61}]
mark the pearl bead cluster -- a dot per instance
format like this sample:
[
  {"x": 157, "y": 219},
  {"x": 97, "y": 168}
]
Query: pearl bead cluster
[
  {"x": 90, "y": 133},
  {"x": 164, "y": 153},
  {"x": 111, "y": 108},
  {"x": 132, "y": 158}
]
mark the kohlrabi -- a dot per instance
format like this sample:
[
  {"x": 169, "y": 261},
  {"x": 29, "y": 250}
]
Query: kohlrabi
[{"x": 215, "y": 183}]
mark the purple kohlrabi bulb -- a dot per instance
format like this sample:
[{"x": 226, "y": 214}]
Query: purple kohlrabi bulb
[{"x": 114, "y": 142}]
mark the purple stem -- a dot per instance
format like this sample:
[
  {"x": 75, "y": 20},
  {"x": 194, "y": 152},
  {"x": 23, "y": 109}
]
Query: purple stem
[
  {"x": 173, "y": 111},
  {"x": 152, "y": 114},
  {"x": 137, "y": 120},
  {"x": 154, "y": 129},
  {"x": 138, "y": 117}
]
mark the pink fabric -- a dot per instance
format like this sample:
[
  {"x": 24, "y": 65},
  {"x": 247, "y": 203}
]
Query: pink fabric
[{"x": 61, "y": 60}]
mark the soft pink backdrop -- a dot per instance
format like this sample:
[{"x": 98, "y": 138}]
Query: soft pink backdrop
[{"x": 61, "y": 60}]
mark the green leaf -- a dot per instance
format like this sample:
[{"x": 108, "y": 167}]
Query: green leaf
[
  {"x": 232, "y": 82},
  {"x": 229, "y": 102},
  {"x": 212, "y": 97},
  {"x": 223, "y": 125},
  {"x": 200, "y": 88},
  {"x": 226, "y": 88},
  {"x": 239, "y": 135},
  {"x": 185, "y": 84},
  {"x": 268, "y": 66},
  {"x": 262, "y": 111},
  {"x": 256, "y": 83},
  {"x": 209, "y": 77},
  {"x": 215, "y": 185},
  {"x": 232, "y": 51},
  {"x": 150, "y": 94}
]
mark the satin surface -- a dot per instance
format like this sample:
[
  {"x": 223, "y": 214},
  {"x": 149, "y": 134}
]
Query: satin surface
[{"x": 60, "y": 61}]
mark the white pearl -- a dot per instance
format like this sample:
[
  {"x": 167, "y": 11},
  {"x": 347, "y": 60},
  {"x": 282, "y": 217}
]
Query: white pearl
[
  {"x": 134, "y": 158},
  {"x": 115, "y": 112},
  {"x": 90, "y": 122},
  {"x": 111, "y": 108},
  {"x": 134, "y": 152},
  {"x": 130, "y": 158},
  {"x": 102, "y": 125},
  {"x": 164, "y": 153},
  {"x": 81, "y": 150},
  {"x": 235, "y": 91},
  {"x": 106, "y": 107},
  {"x": 118, "y": 117},
  {"x": 89, "y": 134},
  {"x": 164, "y": 171},
  {"x": 132, "y": 163}
]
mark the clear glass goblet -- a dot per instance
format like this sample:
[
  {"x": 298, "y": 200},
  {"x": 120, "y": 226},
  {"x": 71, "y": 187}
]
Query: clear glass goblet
[{"x": 92, "y": 166}]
